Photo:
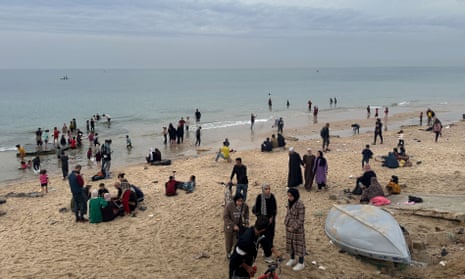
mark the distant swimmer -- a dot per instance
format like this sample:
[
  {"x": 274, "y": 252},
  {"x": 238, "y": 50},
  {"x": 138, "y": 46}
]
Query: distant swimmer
[
  {"x": 287, "y": 104},
  {"x": 270, "y": 103}
]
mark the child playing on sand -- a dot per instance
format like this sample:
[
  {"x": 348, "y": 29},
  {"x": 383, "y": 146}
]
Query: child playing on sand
[{"x": 43, "y": 178}]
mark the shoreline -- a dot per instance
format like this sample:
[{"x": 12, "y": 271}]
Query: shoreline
[
  {"x": 165, "y": 240},
  {"x": 296, "y": 131}
]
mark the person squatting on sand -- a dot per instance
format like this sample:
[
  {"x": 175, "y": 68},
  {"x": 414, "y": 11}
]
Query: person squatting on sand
[
  {"x": 295, "y": 231},
  {"x": 240, "y": 170},
  {"x": 236, "y": 221},
  {"x": 241, "y": 264},
  {"x": 265, "y": 205}
]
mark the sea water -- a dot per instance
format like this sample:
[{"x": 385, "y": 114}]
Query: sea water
[{"x": 141, "y": 102}]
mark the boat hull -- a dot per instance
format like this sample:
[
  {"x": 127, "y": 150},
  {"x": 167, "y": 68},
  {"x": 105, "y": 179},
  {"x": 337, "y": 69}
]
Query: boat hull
[{"x": 367, "y": 231}]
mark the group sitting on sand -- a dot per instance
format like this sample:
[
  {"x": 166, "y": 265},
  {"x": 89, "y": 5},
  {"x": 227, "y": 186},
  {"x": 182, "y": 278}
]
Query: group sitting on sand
[
  {"x": 102, "y": 206},
  {"x": 276, "y": 141}
]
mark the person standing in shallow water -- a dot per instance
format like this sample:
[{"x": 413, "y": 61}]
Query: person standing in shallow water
[
  {"x": 197, "y": 136},
  {"x": 198, "y": 115}
]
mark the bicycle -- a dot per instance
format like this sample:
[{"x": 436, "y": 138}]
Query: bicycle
[{"x": 273, "y": 270}]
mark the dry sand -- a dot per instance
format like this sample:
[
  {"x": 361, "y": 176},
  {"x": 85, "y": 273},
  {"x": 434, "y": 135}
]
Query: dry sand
[{"x": 164, "y": 241}]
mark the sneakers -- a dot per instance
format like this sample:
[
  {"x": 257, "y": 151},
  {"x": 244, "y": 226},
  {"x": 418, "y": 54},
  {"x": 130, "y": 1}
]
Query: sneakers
[
  {"x": 269, "y": 260},
  {"x": 291, "y": 262},
  {"x": 298, "y": 267}
]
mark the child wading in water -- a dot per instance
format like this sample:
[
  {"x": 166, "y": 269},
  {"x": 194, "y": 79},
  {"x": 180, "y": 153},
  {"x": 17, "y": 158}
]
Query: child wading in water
[{"x": 43, "y": 177}]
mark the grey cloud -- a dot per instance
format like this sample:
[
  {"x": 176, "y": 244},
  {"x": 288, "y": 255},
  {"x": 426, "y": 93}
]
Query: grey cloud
[{"x": 176, "y": 18}]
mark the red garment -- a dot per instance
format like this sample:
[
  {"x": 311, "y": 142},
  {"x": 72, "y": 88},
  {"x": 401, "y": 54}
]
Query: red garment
[
  {"x": 170, "y": 187},
  {"x": 125, "y": 201},
  {"x": 73, "y": 144}
]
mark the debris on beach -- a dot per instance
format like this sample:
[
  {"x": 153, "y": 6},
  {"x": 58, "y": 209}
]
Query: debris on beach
[
  {"x": 24, "y": 195},
  {"x": 202, "y": 255},
  {"x": 2, "y": 213},
  {"x": 2, "y": 200}
]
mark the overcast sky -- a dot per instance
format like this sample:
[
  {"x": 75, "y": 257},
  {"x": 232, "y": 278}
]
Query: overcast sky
[{"x": 231, "y": 34}]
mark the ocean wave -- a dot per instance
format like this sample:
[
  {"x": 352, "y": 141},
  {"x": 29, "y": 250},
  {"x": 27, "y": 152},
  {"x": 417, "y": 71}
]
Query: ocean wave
[
  {"x": 230, "y": 123},
  {"x": 5, "y": 149},
  {"x": 403, "y": 103}
]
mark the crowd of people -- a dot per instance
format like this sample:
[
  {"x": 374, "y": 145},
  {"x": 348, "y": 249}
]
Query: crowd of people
[{"x": 241, "y": 239}]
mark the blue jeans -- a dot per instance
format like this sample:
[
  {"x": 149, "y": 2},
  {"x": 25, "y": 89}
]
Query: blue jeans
[
  {"x": 242, "y": 189},
  {"x": 79, "y": 205}
]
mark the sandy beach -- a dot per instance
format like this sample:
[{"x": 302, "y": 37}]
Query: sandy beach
[{"x": 182, "y": 236}]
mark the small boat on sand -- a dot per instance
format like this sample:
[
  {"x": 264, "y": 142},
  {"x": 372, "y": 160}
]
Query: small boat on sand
[{"x": 368, "y": 231}]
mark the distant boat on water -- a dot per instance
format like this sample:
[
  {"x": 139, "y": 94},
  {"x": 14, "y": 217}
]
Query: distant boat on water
[{"x": 65, "y": 77}]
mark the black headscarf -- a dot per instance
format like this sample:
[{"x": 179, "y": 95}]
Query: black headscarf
[{"x": 295, "y": 193}]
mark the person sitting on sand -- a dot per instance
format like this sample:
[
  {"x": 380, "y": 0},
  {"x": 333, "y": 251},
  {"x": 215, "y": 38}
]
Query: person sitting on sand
[
  {"x": 170, "y": 187},
  {"x": 96, "y": 204},
  {"x": 274, "y": 141},
  {"x": 223, "y": 152},
  {"x": 102, "y": 190},
  {"x": 110, "y": 211},
  {"x": 371, "y": 191},
  {"x": 188, "y": 186},
  {"x": 363, "y": 181},
  {"x": 281, "y": 140},
  {"x": 393, "y": 187},
  {"x": 128, "y": 198},
  {"x": 267, "y": 146},
  {"x": 153, "y": 155}
]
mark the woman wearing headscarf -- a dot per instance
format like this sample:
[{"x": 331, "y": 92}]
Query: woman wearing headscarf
[
  {"x": 236, "y": 220},
  {"x": 294, "y": 177},
  {"x": 321, "y": 170},
  {"x": 96, "y": 204},
  {"x": 295, "y": 232},
  {"x": 265, "y": 205}
]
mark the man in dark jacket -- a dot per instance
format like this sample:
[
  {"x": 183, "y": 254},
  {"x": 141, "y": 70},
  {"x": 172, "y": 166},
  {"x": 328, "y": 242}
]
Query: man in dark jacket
[
  {"x": 324, "y": 133},
  {"x": 240, "y": 171},
  {"x": 76, "y": 183}
]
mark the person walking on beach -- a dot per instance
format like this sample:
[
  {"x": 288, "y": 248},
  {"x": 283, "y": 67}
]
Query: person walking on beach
[
  {"x": 294, "y": 176},
  {"x": 324, "y": 133},
  {"x": 367, "y": 154},
  {"x": 236, "y": 221},
  {"x": 21, "y": 152},
  {"x": 197, "y": 136},
  {"x": 309, "y": 175},
  {"x": 437, "y": 128},
  {"x": 280, "y": 125},
  {"x": 76, "y": 183},
  {"x": 295, "y": 231},
  {"x": 240, "y": 170},
  {"x": 378, "y": 130},
  {"x": 265, "y": 205},
  {"x": 198, "y": 115},
  {"x": 187, "y": 124},
  {"x": 252, "y": 120},
  {"x": 321, "y": 170},
  {"x": 44, "y": 181},
  {"x": 64, "y": 164},
  {"x": 315, "y": 114},
  {"x": 368, "y": 111}
]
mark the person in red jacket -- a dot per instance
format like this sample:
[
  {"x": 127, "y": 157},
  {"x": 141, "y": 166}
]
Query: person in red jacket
[{"x": 170, "y": 187}]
